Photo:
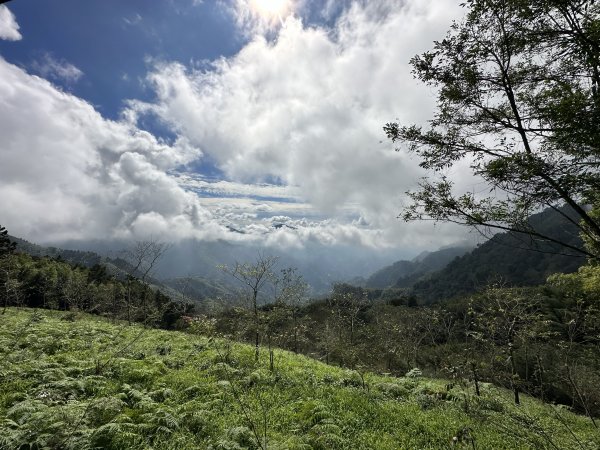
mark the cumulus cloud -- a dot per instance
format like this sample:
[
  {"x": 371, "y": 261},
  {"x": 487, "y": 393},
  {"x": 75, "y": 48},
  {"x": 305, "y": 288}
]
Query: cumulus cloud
[
  {"x": 307, "y": 108},
  {"x": 68, "y": 173},
  {"x": 56, "y": 69},
  {"x": 303, "y": 107},
  {"x": 9, "y": 28}
]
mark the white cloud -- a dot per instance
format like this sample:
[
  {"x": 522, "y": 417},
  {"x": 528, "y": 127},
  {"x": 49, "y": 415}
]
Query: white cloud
[
  {"x": 133, "y": 20},
  {"x": 305, "y": 109},
  {"x": 56, "y": 69},
  {"x": 308, "y": 107},
  {"x": 68, "y": 173},
  {"x": 9, "y": 28}
]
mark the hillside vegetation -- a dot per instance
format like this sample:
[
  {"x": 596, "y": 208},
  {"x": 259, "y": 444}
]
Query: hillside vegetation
[
  {"x": 405, "y": 273},
  {"x": 76, "y": 381},
  {"x": 511, "y": 258}
]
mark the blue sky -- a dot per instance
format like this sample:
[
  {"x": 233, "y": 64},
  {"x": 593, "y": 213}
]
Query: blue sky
[
  {"x": 111, "y": 41},
  {"x": 189, "y": 118}
]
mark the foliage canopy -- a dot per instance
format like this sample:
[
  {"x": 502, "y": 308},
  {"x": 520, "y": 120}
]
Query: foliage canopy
[
  {"x": 6, "y": 245},
  {"x": 518, "y": 100}
]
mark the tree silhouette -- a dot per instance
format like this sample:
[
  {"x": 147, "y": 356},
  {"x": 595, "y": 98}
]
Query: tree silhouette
[
  {"x": 6, "y": 245},
  {"x": 519, "y": 101}
]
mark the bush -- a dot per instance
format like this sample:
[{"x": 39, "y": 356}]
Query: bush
[
  {"x": 393, "y": 390},
  {"x": 414, "y": 373}
]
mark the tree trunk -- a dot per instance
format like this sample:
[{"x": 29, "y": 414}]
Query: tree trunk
[
  {"x": 271, "y": 360},
  {"x": 514, "y": 383},
  {"x": 541, "y": 376},
  {"x": 475, "y": 379},
  {"x": 129, "y": 302},
  {"x": 256, "y": 327},
  {"x": 295, "y": 333}
]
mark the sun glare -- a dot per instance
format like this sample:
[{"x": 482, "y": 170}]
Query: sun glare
[{"x": 271, "y": 9}]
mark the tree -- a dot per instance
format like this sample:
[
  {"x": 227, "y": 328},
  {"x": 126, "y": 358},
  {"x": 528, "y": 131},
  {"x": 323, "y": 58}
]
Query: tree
[
  {"x": 346, "y": 303},
  {"x": 11, "y": 287},
  {"x": 142, "y": 256},
  {"x": 579, "y": 341},
  {"x": 254, "y": 278},
  {"x": 6, "y": 245},
  {"x": 74, "y": 290},
  {"x": 518, "y": 100},
  {"x": 292, "y": 293},
  {"x": 506, "y": 320}
]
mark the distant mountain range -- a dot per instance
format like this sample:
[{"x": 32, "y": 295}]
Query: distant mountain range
[
  {"x": 508, "y": 258},
  {"x": 406, "y": 273},
  {"x": 194, "y": 265},
  {"x": 189, "y": 270}
]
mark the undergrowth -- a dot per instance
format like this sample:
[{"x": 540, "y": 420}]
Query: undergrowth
[{"x": 80, "y": 382}]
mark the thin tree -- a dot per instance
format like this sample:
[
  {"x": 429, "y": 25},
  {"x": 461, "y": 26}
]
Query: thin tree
[
  {"x": 506, "y": 319},
  {"x": 7, "y": 246},
  {"x": 254, "y": 278},
  {"x": 11, "y": 285},
  {"x": 293, "y": 291},
  {"x": 143, "y": 257}
]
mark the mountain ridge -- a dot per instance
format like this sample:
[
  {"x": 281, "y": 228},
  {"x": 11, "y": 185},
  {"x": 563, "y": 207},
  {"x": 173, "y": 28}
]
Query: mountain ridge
[{"x": 400, "y": 273}]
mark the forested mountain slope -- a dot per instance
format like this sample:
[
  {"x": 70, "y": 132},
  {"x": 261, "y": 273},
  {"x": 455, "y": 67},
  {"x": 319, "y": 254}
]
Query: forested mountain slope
[
  {"x": 507, "y": 258},
  {"x": 404, "y": 273},
  {"x": 116, "y": 266},
  {"x": 195, "y": 289}
]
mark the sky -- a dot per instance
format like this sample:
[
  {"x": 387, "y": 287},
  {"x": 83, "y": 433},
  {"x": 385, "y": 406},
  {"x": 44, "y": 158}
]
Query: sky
[{"x": 243, "y": 120}]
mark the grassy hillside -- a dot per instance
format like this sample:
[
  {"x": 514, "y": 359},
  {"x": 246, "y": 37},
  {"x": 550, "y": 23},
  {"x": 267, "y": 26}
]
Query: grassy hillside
[{"x": 71, "y": 381}]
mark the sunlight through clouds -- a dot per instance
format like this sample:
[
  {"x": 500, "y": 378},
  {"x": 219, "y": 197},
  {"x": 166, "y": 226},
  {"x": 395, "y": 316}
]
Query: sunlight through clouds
[
  {"x": 307, "y": 109},
  {"x": 292, "y": 123},
  {"x": 257, "y": 17},
  {"x": 272, "y": 8}
]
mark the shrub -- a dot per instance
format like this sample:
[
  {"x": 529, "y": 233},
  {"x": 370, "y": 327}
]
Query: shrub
[
  {"x": 393, "y": 390},
  {"x": 414, "y": 373}
]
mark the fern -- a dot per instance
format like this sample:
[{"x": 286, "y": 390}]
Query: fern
[
  {"x": 324, "y": 433},
  {"x": 116, "y": 436},
  {"x": 23, "y": 411},
  {"x": 200, "y": 423},
  {"x": 103, "y": 410},
  {"x": 158, "y": 423}
]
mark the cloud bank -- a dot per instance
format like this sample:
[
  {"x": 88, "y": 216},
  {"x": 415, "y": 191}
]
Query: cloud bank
[
  {"x": 307, "y": 107},
  {"x": 68, "y": 173},
  {"x": 294, "y": 121}
]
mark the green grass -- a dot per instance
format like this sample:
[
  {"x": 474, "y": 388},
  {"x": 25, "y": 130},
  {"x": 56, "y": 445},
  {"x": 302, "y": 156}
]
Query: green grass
[{"x": 76, "y": 381}]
